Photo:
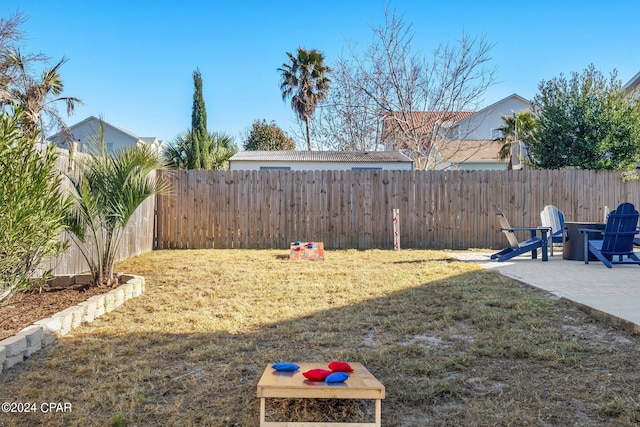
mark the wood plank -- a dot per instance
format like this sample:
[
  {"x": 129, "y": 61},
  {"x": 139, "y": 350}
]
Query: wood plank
[{"x": 360, "y": 385}]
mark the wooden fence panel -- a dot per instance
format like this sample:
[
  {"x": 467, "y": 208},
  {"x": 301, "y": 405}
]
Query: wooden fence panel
[
  {"x": 137, "y": 238},
  {"x": 352, "y": 209}
]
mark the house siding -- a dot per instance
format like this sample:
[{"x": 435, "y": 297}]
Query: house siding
[
  {"x": 319, "y": 160},
  {"x": 87, "y": 132},
  {"x": 482, "y": 124},
  {"x": 114, "y": 138},
  {"x": 300, "y": 166}
]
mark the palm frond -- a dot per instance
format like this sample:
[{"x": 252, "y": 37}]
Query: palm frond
[{"x": 109, "y": 189}]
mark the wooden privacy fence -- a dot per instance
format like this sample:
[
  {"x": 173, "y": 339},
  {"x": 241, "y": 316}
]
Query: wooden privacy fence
[
  {"x": 353, "y": 209},
  {"x": 138, "y": 236}
]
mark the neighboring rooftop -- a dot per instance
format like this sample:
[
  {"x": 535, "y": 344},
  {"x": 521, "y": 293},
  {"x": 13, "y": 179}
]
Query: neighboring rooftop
[
  {"x": 633, "y": 83},
  {"x": 423, "y": 121},
  {"x": 323, "y": 156}
]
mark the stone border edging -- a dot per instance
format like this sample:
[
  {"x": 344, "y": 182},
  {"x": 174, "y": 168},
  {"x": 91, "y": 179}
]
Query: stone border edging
[{"x": 42, "y": 333}]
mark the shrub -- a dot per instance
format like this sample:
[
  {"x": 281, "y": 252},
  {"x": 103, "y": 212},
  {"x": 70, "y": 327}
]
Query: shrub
[{"x": 32, "y": 209}]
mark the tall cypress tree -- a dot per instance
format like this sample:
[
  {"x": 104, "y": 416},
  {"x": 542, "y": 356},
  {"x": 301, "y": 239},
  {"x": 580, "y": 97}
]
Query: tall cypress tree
[{"x": 199, "y": 132}]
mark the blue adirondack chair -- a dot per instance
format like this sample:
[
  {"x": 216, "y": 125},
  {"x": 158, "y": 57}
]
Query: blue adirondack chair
[
  {"x": 615, "y": 244},
  {"x": 553, "y": 217},
  {"x": 518, "y": 248}
]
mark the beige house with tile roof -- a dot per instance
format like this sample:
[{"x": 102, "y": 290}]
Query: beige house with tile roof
[
  {"x": 472, "y": 155},
  {"x": 463, "y": 140}
]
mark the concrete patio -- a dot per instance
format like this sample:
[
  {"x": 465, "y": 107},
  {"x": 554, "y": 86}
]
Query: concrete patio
[{"x": 611, "y": 295}]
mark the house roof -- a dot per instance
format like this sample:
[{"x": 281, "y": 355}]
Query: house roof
[
  {"x": 322, "y": 156},
  {"x": 97, "y": 121},
  {"x": 633, "y": 83},
  {"x": 471, "y": 151},
  {"x": 492, "y": 106},
  {"x": 93, "y": 119},
  {"x": 423, "y": 121}
]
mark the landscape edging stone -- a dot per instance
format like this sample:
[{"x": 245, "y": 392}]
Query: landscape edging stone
[{"x": 45, "y": 332}]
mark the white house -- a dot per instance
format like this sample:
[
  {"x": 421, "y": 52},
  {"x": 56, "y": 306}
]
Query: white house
[
  {"x": 460, "y": 139},
  {"x": 320, "y": 160},
  {"x": 632, "y": 84},
  {"x": 87, "y": 132},
  {"x": 485, "y": 124}
]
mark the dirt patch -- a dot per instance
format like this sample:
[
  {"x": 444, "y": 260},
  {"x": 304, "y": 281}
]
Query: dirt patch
[{"x": 23, "y": 309}]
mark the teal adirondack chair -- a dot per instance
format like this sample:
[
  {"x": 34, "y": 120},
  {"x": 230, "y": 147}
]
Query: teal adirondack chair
[
  {"x": 615, "y": 245},
  {"x": 518, "y": 248}
]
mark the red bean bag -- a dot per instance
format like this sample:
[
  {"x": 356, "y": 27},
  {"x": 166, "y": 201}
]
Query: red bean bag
[
  {"x": 340, "y": 367},
  {"x": 317, "y": 374}
]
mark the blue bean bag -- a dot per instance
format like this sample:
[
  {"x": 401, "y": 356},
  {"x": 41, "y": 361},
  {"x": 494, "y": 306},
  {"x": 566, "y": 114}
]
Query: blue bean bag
[
  {"x": 337, "y": 377},
  {"x": 284, "y": 366}
]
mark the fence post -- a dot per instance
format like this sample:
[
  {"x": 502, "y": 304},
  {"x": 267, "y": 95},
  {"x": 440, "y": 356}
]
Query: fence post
[{"x": 396, "y": 229}]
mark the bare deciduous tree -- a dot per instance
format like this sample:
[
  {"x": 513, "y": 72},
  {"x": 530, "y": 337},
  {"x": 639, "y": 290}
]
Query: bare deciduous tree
[
  {"x": 419, "y": 101},
  {"x": 10, "y": 36},
  {"x": 349, "y": 118}
]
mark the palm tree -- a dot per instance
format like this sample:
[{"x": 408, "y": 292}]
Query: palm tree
[
  {"x": 305, "y": 81},
  {"x": 107, "y": 190},
  {"x": 36, "y": 98},
  {"x": 222, "y": 148},
  {"x": 518, "y": 127},
  {"x": 181, "y": 152}
]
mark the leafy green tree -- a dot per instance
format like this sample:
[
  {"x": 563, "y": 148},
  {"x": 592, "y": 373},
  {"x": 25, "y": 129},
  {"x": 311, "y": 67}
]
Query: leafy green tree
[
  {"x": 33, "y": 208},
  {"x": 107, "y": 191},
  {"x": 587, "y": 122},
  {"x": 267, "y": 137},
  {"x": 305, "y": 81}
]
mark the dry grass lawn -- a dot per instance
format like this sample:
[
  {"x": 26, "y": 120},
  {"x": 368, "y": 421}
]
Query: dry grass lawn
[{"x": 454, "y": 345}]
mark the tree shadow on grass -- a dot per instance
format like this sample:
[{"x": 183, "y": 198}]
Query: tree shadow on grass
[
  {"x": 426, "y": 261},
  {"x": 477, "y": 350}
]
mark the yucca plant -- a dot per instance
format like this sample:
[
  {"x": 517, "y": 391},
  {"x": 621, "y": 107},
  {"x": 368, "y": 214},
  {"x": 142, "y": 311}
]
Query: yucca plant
[
  {"x": 32, "y": 209},
  {"x": 108, "y": 188}
]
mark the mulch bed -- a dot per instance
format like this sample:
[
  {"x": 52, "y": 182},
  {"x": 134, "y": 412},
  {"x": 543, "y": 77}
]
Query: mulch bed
[{"x": 25, "y": 308}]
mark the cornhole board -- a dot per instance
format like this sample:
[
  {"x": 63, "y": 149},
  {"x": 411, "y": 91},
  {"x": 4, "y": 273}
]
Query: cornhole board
[
  {"x": 302, "y": 252},
  {"x": 280, "y": 384}
]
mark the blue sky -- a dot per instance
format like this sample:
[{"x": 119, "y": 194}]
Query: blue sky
[{"x": 131, "y": 62}]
